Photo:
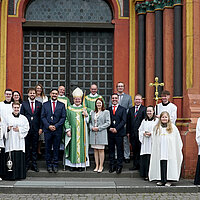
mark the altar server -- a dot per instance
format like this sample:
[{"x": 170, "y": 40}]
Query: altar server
[
  {"x": 145, "y": 137},
  {"x": 165, "y": 105},
  {"x": 17, "y": 129},
  {"x": 166, "y": 156}
]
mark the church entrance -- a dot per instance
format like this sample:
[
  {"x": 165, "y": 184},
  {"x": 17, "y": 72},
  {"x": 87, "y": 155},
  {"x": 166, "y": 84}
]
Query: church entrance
[
  {"x": 73, "y": 58},
  {"x": 68, "y": 43}
]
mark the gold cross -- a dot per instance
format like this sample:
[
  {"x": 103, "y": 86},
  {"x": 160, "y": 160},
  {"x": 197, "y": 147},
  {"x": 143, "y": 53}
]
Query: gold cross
[{"x": 156, "y": 84}]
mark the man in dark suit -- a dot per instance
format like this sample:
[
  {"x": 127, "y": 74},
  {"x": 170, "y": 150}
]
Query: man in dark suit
[
  {"x": 134, "y": 118},
  {"x": 53, "y": 117},
  {"x": 116, "y": 132},
  {"x": 31, "y": 109}
]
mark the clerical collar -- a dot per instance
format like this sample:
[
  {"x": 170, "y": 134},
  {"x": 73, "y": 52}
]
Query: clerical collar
[
  {"x": 16, "y": 115},
  {"x": 163, "y": 125},
  {"x": 165, "y": 103},
  {"x": 6, "y": 102},
  {"x": 93, "y": 95},
  {"x": 76, "y": 105},
  {"x": 150, "y": 119},
  {"x": 61, "y": 96}
]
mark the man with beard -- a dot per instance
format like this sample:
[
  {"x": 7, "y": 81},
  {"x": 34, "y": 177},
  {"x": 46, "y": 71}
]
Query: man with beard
[
  {"x": 53, "y": 118},
  {"x": 31, "y": 109}
]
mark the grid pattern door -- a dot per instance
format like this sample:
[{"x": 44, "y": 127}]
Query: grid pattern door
[
  {"x": 91, "y": 56},
  {"x": 45, "y": 54},
  {"x": 69, "y": 58}
]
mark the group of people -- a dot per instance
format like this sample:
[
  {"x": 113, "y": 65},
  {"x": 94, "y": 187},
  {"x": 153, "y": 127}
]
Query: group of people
[{"x": 155, "y": 140}]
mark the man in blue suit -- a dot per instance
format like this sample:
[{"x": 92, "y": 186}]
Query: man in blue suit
[
  {"x": 116, "y": 132},
  {"x": 31, "y": 109},
  {"x": 53, "y": 117}
]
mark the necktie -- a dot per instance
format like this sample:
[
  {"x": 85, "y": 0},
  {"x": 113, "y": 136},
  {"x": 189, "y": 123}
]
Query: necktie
[
  {"x": 54, "y": 105},
  {"x": 32, "y": 108},
  {"x": 136, "y": 110},
  {"x": 114, "y": 109}
]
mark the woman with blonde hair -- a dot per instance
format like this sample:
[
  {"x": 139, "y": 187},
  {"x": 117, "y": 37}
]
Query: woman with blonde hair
[{"x": 166, "y": 157}]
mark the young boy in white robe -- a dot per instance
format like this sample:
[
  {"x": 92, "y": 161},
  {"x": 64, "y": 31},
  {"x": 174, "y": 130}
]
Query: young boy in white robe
[
  {"x": 145, "y": 137},
  {"x": 17, "y": 129},
  {"x": 197, "y": 175},
  {"x": 166, "y": 156}
]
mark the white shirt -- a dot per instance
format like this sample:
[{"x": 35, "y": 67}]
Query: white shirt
[
  {"x": 120, "y": 97},
  {"x": 52, "y": 105},
  {"x": 30, "y": 102},
  {"x": 138, "y": 107},
  {"x": 115, "y": 107}
]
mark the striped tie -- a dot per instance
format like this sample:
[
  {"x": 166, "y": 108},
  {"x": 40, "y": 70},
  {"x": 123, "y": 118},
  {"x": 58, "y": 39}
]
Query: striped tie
[{"x": 136, "y": 110}]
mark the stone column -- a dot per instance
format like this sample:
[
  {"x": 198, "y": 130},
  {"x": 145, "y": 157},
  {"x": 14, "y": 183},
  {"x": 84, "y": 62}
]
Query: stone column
[
  {"x": 150, "y": 55},
  {"x": 168, "y": 49},
  {"x": 141, "y": 54}
]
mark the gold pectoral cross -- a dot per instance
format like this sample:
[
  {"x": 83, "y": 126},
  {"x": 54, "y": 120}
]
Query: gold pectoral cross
[{"x": 156, "y": 85}]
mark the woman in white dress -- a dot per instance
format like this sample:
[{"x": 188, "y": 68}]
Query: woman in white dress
[
  {"x": 166, "y": 156},
  {"x": 145, "y": 137},
  {"x": 100, "y": 121}
]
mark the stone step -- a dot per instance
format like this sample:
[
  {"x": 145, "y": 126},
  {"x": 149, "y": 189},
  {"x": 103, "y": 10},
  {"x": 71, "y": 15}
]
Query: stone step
[
  {"x": 68, "y": 185},
  {"x": 126, "y": 173},
  {"x": 84, "y": 174}
]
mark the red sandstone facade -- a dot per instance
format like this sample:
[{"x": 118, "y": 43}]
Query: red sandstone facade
[{"x": 188, "y": 104}]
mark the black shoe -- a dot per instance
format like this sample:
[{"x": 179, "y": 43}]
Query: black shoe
[
  {"x": 133, "y": 168},
  {"x": 80, "y": 169},
  {"x": 127, "y": 160},
  {"x": 35, "y": 169},
  {"x": 55, "y": 169},
  {"x": 49, "y": 169},
  {"x": 71, "y": 169},
  {"x": 111, "y": 170},
  {"x": 119, "y": 170}
]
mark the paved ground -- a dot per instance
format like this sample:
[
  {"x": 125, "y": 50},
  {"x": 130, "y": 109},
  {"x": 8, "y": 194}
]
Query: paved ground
[{"x": 138, "y": 196}]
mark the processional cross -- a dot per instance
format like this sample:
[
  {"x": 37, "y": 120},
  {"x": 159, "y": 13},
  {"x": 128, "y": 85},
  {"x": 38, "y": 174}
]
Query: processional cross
[{"x": 156, "y": 85}]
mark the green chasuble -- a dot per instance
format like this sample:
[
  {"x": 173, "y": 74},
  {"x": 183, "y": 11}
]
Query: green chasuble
[
  {"x": 64, "y": 100},
  {"x": 90, "y": 101},
  {"x": 75, "y": 152}
]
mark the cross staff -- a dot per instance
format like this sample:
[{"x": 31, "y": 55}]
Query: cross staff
[
  {"x": 156, "y": 85},
  {"x": 84, "y": 108}
]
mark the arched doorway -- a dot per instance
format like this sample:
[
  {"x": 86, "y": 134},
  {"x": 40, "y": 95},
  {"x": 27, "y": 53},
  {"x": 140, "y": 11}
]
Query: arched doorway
[{"x": 68, "y": 43}]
